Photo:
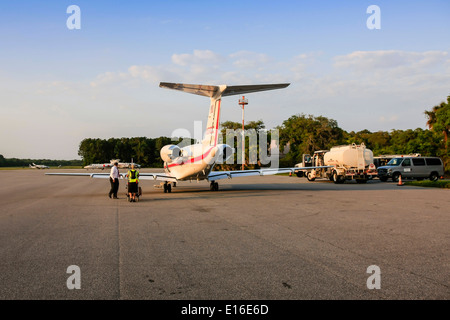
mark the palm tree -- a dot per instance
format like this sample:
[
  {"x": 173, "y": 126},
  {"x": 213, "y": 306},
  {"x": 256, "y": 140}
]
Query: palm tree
[
  {"x": 438, "y": 119},
  {"x": 432, "y": 115}
]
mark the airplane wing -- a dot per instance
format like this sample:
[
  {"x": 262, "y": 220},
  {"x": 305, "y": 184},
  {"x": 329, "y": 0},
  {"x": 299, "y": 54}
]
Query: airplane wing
[
  {"x": 160, "y": 176},
  {"x": 217, "y": 175},
  {"x": 156, "y": 176}
]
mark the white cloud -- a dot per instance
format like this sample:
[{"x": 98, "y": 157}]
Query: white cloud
[
  {"x": 197, "y": 57},
  {"x": 363, "y": 61},
  {"x": 392, "y": 118},
  {"x": 248, "y": 59}
]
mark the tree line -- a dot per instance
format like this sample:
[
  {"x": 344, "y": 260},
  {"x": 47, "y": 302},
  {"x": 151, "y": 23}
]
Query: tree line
[
  {"x": 15, "y": 162},
  {"x": 297, "y": 135},
  {"x": 305, "y": 134},
  {"x": 141, "y": 150}
]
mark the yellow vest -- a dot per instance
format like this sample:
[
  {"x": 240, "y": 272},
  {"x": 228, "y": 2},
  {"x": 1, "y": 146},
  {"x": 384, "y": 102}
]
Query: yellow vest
[{"x": 133, "y": 176}]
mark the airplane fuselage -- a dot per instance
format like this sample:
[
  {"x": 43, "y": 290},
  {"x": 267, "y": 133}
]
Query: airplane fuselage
[{"x": 196, "y": 161}]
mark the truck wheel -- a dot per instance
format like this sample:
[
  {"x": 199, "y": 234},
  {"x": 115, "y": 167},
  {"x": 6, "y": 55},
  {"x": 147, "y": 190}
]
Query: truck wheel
[
  {"x": 395, "y": 176},
  {"x": 299, "y": 174},
  {"x": 434, "y": 176},
  {"x": 384, "y": 179},
  {"x": 337, "y": 179},
  {"x": 308, "y": 176}
]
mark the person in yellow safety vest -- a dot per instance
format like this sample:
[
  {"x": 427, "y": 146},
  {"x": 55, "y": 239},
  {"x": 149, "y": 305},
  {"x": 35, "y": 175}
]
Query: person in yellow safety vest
[{"x": 133, "y": 180}]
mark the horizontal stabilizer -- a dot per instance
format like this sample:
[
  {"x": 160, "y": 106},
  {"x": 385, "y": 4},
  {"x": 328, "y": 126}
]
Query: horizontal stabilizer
[
  {"x": 207, "y": 91},
  {"x": 233, "y": 90},
  {"x": 223, "y": 90}
]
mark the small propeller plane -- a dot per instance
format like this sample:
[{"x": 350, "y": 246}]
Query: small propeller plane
[
  {"x": 38, "y": 166},
  {"x": 196, "y": 162}
]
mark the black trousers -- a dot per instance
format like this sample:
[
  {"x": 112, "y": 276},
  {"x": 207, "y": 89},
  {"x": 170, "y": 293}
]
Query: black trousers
[{"x": 114, "y": 187}]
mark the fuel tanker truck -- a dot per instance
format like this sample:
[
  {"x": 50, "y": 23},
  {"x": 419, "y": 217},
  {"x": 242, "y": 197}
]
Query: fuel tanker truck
[{"x": 349, "y": 162}]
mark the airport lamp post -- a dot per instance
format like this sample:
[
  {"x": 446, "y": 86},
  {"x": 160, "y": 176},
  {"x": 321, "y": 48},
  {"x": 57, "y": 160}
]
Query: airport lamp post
[{"x": 243, "y": 102}]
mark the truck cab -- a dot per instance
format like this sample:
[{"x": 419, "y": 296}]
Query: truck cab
[{"x": 310, "y": 161}]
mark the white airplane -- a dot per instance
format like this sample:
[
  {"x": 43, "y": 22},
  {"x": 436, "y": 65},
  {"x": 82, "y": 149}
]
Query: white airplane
[
  {"x": 124, "y": 165},
  {"x": 195, "y": 162},
  {"x": 38, "y": 166},
  {"x": 121, "y": 165},
  {"x": 98, "y": 166}
]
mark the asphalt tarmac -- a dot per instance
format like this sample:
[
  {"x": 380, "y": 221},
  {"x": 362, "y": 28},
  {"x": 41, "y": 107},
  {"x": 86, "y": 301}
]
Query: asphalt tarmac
[{"x": 273, "y": 237}]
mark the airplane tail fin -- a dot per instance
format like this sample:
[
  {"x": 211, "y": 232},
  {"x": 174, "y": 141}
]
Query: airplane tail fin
[{"x": 215, "y": 93}]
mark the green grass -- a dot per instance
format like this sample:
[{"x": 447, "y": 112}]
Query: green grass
[
  {"x": 429, "y": 184},
  {"x": 284, "y": 174}
]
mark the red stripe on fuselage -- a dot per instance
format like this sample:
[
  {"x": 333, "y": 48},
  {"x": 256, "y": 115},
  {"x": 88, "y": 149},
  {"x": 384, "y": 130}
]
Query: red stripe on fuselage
[{"x": 199, "y": 158}]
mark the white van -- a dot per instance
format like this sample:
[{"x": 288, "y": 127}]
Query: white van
[{"x": 412, "y": 167}]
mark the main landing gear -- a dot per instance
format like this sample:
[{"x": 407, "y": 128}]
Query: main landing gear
[
  {"x": 214, "y": 186},
  {"x": 167, "y": 187}
]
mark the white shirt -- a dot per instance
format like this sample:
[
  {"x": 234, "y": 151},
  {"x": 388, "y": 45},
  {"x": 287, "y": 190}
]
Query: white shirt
[{"x": 114, "y": 173}]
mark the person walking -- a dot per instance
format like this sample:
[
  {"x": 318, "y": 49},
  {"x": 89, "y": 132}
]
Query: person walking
[
  {"x": 133, "y": 180},
  {"x": 114, "y": 180}
]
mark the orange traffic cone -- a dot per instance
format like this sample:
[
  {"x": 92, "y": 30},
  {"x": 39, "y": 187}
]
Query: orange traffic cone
[
  {"x": 400, "y": 183},
  {"x": 290, "y": 173}
]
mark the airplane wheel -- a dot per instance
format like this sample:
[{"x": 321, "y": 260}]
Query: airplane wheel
[
  {"x": 211, "y": 186},
  {"x": 169, "y": 188},
  {"x": 216, "y": 186},
  {"x": 165, "y": 188}
]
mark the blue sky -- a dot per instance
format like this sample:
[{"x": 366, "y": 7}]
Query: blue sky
[{"x": 58, "y": 86}]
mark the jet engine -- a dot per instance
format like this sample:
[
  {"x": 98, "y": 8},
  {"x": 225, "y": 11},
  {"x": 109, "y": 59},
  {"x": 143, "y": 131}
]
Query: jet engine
[
  {"x": 170, "y": 152},
  {"x": 224, "y": 153}
]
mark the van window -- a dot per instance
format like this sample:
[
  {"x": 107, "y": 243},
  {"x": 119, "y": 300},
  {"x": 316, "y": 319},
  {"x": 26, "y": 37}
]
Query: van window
[
  {"x": 418, "y": 161},
  {"x": 406, "y": 162},
  {"x": 434, "y": 161},
  {"x": 395, "y": 162}
]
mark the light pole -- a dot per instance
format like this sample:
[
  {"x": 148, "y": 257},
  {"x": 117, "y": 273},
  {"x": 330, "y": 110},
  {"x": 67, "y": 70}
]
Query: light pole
[{"x": 243, "y": 102}]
